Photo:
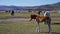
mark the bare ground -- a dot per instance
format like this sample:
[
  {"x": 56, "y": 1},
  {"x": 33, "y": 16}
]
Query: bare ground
[{"x": 15, "y": 19}]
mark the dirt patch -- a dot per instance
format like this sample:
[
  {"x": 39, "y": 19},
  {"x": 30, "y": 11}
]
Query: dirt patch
[{"x": 15, "y": 19}]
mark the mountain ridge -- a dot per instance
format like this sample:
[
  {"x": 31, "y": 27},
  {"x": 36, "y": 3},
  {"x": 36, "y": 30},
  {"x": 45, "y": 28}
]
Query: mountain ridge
[{"x": 55, "y": 6}]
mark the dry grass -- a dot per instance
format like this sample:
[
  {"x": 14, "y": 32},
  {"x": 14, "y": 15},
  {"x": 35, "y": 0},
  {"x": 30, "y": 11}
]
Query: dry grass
[{"x": 27, "y": 27}]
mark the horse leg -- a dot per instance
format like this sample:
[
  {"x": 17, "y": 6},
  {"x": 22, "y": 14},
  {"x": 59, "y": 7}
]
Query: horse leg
[
  {"x": 49, "y": 26},
  {"x": 30, "y": 19},
  {"x": 38, "y": 27}
]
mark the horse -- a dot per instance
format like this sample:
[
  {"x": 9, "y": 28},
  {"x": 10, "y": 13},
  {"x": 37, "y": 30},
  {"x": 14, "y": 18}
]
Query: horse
[{"x": 39, "y": 19}]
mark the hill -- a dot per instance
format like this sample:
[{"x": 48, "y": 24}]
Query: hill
[{"x": 55, "y": 6}]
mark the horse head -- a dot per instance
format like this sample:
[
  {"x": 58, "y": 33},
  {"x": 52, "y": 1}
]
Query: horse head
[{"x": 33, "y": 16}]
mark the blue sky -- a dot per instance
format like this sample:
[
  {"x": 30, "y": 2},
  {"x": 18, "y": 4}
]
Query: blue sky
[{"x": 27, "y": 2}]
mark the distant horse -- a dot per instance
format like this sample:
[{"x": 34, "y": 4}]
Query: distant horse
[
  {"x": 39, "y": 19},
  {"x": 12, "y": 13}
]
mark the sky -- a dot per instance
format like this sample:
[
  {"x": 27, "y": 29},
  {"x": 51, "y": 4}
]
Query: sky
[{"x": 27, "y": 2}]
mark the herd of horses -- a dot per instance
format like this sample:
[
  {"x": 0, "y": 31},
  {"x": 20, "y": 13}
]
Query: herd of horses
[{"x": 43, "y": 19}]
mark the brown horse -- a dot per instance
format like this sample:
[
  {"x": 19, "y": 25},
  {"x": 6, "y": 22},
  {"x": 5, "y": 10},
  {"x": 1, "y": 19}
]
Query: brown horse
[
  {"x": 35, "y": 16},
  {"x": 39, "y": 19}
]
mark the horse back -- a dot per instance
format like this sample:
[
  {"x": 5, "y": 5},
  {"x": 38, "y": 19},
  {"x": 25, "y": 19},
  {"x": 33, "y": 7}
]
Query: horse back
[{"x": 43, "y": 18}]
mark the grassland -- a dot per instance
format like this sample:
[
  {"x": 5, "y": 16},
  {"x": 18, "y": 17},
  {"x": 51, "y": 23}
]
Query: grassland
[{"x": 25, "y": 26}]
